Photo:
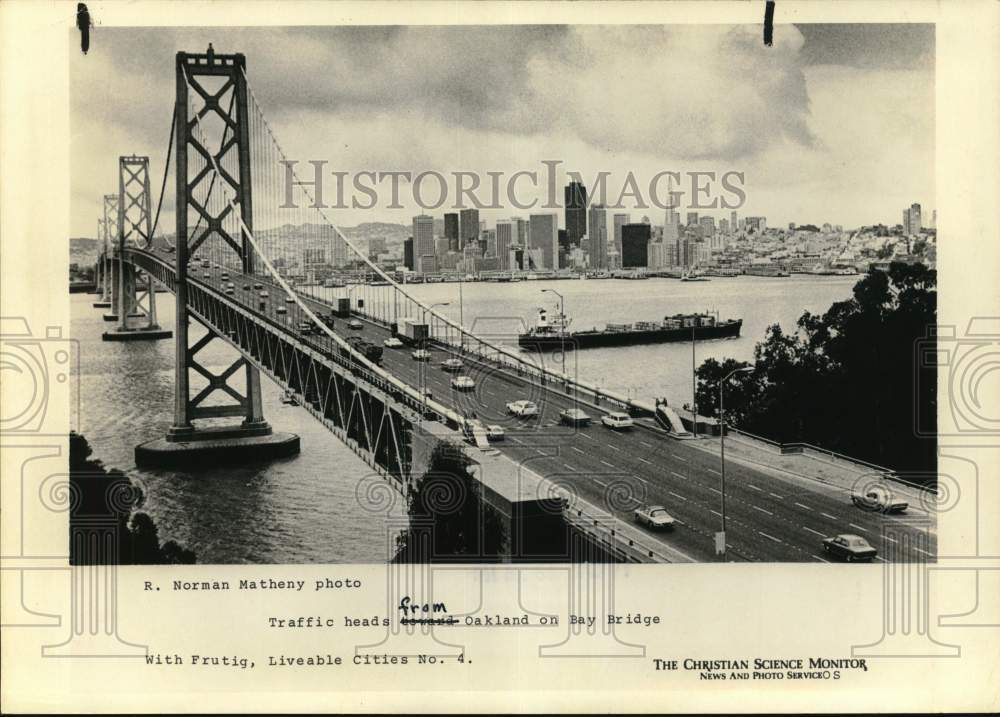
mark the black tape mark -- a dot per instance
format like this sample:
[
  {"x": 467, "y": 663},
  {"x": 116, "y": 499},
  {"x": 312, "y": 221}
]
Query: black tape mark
[
  {"x": 84, "y": 23},
  {"x": 769, "y": 23}
]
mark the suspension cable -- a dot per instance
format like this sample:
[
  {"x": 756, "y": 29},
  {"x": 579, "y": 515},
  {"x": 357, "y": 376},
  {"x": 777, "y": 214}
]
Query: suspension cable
[{"x": 166, "y": 170}]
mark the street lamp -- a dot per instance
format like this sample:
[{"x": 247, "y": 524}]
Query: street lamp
[
  {"x": 721, "y": 537},
  {"x": 562, "y": 327}
]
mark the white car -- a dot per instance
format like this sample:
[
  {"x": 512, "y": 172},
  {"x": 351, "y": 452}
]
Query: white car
[
  {"x": 289, "y": 300},
  {"x": 494, "y": 432},
  {"x": 421, "y": 355},
  {"x": 574, "y": 417},
  {"x": 462, "y": 383},
  {"x": 452, "y": 364},
  {"x": 522, "y": 409},
  {"x": 355, "y": 324},
  {"x": 654, "y": 517},
  {"x": 264, "y": 295},
  {"x": 617, "y": 420},
  {"x": 281, "y": 310},
  {"x": 879, "y": 499},
  {"x": 392, "y": 343}
]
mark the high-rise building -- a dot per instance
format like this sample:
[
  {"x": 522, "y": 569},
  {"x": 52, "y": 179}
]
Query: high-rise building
[
  {"x": 543, "y": 238},
  {"x": 707, "y": 225},
  {"x": 597, "y": 237},
  {"x": 635, "y": 245},
  {"x": 423, "y": 241},
  {"x": 438, "y": 227},
  {"x": 468, "y": 226},
  {"x": 522, "y": 231},
  {"x": 620, "y": 220},
  {"x": 408, "y": 254},
  {"x": 489, "y": 242},
  {"x": 451, "y": 231},
  {"x": 757, "y": 224},
  {"x": 657, "y": 257},
  {"x": 506, "y": 231},
  {"x": 912, "y": 221},
  {"x": 724, "y": 226},
  {"x": 692, "y": 219},
  {"x": 575, "y": 195}
]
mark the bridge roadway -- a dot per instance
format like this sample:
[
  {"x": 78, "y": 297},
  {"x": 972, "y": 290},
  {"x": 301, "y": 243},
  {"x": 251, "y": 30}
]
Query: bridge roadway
[{"x": 768, "y": 518}]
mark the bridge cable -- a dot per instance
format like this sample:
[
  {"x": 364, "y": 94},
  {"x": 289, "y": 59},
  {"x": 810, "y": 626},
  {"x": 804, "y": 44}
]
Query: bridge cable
[{"x": 166, "y": 169}]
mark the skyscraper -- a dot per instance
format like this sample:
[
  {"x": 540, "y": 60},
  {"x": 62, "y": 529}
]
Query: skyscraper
[
  {"x": 597, "y": 237},
  {"x": 543, "y": 238},
  {"x": 912, "y": 221},
  {"x": 635, "y": 245},
  {"x": 733, "y": 225},
  {"x": 707, "y": 225},
  {"x": 408, "y": 253},
  {"x": 620, "y": 221},
  {"x": 575, "y": 196},
  {"x": 468, "y": 226},
  {"x": 423, "y": 242},
  {"x": 506, "y": 232},
  {"x": 451, "y": 231}
]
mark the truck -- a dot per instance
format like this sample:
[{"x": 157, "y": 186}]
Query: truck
[
  {"x": 410, "y": 331},
  {"x": 342, "y": 307},
  {"x": 372, "y": 352}
]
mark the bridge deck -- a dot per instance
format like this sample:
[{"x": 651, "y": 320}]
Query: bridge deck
[{"x": 769, "y": 517}]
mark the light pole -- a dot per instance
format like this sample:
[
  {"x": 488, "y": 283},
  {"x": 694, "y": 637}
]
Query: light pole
[
  {"x": 562, "y": 327},
  {"x": 721, "y": 537}
]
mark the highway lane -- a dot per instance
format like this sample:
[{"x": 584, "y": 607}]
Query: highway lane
[{"x": 768, "y": 518}]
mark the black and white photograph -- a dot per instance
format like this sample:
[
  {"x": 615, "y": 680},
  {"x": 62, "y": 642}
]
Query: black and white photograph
[
  {"x": 499, "y": 357},
  {"x": 571, "y": 292}
]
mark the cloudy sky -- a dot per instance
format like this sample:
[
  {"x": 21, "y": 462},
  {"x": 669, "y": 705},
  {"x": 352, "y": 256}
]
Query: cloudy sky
[{"x": 833, "y": 123}]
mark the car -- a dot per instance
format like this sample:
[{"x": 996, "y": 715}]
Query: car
[
  {"x": 206, "y": 275},
  {"x": 878, "y": 499},
  {"x": 289, "y": 300},
  {"x": 849, "y": 547},
  {"x": 617, "y": 420},
  {"x": 264, "y": 294},
  {"x": 654, "y": 517},
  {"x": 225, "y": 275},
  {"x": 392, "y": 343},
  {"x": 494, "y": 432},
  {"x": 258, "y": 286},
  {"x": 522, "y": 409},
  {"x": 229, "y": 292},
  {"x": 355, "y": 324},
  {"x": 205, "y": 264},
  {"x": 462, "y": 383},
  {"x": 281, "y": 310},
  {"x": 306, "y": 327},
  {"x": 452, "y": 364},
  {"x": 574, "y": 417},
  {"x": 246, "y": 287},
  {"x": 230, "y": 285},
  {"x": 421, "y": 355}
]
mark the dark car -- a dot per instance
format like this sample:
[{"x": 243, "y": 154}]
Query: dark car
[{"x": 849, "y": 547}]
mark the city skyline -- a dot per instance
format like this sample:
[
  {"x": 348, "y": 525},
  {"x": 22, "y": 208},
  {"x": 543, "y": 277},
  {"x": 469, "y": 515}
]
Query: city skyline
[{"x": 841, "y": 132}]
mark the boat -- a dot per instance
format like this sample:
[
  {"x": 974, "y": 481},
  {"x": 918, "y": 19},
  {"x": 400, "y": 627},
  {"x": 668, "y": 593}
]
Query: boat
[
  {"x": 552, "y": 333},
  {"x": 693, "y": 276}
]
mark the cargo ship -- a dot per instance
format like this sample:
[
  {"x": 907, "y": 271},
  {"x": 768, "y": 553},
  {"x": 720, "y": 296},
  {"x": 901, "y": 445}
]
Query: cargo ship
[{"x": 553, "y": 334}]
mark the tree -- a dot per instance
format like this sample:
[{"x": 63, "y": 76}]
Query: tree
[
  {"x": 847, "y": 380},
  {"x": 449, "y": 520},
  {"x": 104, "y": 500}
]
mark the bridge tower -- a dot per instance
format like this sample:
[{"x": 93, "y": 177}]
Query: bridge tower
[
  {"x": 109, "y": 218},
  {"x": 135, "y": 293},
  {"x": 212, "y": 76}
]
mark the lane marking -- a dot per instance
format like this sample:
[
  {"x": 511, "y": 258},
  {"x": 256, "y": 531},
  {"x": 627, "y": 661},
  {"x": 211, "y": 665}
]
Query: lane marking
[
  {"x": 814, "y": 532},
  {"x": 858, "y": 527},
  {"x": 676, "y": 495},
  {"x": 600, "y": 482},
  {"x": 771, "y": 537},
  {"x": 607, "y": 464},
  {"x": 775, "y": 495},
  {"x": 831, "y": 517},
  {"x": 648, "y": 445},
  {"x": 675, "y": 473},
  {"x": 712, "y": 470},
  {"x": 890, "y": 539},
  {"x": 567, "y": 465},
  {"x": 644, "y": 460},
  {"x": 823, "y": 560},
  {"x": 578, "y": 450},
  {"x": 682, "y": 460},
  {"x": 614, "y": 449},
  {"x": 715, "y": 489},
  {"x": 880, "y": 558},
  {"x": 921, "y": 550},
  {"x": 589, "y": 438},
  {"x": 714, "y": 512},
  {"x": 803, "y": 506},
  {"x": 751, "y": 485},
  {"x": 755, "y": 507}
]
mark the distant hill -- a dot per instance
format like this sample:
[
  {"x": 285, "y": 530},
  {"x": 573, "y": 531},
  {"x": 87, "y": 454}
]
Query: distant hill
[{"x": 82, "y": 250}]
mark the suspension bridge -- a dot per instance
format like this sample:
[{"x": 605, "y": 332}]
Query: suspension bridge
[{"x": 227, "y": 265}]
